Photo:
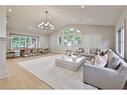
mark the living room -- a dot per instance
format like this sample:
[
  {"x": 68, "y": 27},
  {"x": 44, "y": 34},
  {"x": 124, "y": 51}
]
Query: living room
[{"x": 72, "y": 29}]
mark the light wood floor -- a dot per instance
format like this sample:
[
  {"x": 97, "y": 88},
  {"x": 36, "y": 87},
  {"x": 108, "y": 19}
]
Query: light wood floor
[{"x": 19, "y": 78}]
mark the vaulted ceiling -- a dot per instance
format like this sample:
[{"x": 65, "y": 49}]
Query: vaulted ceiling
[{"x": 26, "y": 18}]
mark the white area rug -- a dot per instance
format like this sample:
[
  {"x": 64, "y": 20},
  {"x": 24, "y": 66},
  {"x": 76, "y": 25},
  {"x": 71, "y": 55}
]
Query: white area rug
[{"x": 57, "y": 77}]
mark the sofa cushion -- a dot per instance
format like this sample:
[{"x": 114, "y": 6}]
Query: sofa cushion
[
  {"x": 79, "y": 50},
  {"x": 113, "y": 63},
  {"x": 119, "y": 67},
  {"x": 93, "y": 51},
  {"x": 83, "y": 50},
  {"x": 111, "y": 54},
  {"x": 87, "y": 51},
  {"x": 102, "y": 52},
  {"x": 101, "y": 60},
  {"x": 123, "y": 70}
]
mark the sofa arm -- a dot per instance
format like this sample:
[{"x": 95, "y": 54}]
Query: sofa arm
[{"x": 101, "y": 77}]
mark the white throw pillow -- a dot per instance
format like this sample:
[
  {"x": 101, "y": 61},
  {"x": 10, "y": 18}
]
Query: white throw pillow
[
  {"x": 105, "y": 57},
  {"x": 87, "y": 51},
  {"x": 101, "y": 60}
]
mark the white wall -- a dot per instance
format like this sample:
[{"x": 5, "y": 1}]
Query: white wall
[
  {"x": 2, "y": 21},
  {"x": 43, "y": 39},
  {"x": 122, "y": 22},
  {"x": 3, "y": 71},
  {"x": 92, "y": 37}
]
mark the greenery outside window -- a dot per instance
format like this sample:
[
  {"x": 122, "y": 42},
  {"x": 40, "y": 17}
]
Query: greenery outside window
[
  {"x": 70, "y": 35},
  {"x": 120, "y": 35},
  {"x": 23, "y": 41}
]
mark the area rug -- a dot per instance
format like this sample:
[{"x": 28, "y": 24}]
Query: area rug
[{"x": 59, "y": 78}]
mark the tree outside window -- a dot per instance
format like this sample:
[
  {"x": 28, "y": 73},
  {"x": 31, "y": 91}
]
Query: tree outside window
[
  {"x": 71, "y": 35},
  {"x": 20, "y": 41}
]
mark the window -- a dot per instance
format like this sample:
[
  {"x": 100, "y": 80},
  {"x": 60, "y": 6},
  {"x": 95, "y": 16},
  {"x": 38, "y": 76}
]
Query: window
[
  {"x": 70, "y": 35},
  {"x": 121, "y": 42},
  {"x": 23, "y": 41}
]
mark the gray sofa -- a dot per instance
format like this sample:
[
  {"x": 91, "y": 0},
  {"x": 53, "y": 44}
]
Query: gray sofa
[
  {"x": 106, "y": 78},
  {"x": 92, "y": 52}
]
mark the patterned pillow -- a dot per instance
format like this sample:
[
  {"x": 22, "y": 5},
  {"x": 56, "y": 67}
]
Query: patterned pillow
[
  {"x": 103, "y": 52},
  {"x": 93, "y": 51},
  {"x": 113, "y": 63}
]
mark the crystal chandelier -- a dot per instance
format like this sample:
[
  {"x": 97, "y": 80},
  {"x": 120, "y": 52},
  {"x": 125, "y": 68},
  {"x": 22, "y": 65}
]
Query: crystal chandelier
[{"x": 45, "y": 25}]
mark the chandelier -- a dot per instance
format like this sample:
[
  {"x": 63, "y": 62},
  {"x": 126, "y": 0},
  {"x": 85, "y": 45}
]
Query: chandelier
[{"x": 45, "y": 25}]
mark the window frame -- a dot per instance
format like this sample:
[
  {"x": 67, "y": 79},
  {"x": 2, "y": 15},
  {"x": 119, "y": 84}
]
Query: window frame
[
  {"x": 121, "y": 42},
  {"x": 25, "y": 36},
  {"x": 73, "y": 34}
]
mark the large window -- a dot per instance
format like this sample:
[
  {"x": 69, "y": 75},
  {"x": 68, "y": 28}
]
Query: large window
[
  {"x": 70, "y": 35},
  {"x": 121, "y": 42},
  {"x": 23, "y": 41}
]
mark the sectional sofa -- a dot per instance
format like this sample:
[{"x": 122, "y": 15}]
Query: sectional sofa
[
  {"x": 89, "y": 53},
  {"x": 106, "y": 78}
]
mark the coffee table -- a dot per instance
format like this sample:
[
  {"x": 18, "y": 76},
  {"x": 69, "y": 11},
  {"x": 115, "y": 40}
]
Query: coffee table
[{"x": 67, "y": 62}]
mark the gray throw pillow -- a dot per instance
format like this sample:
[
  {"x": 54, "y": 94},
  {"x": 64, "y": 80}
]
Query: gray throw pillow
[
  {"x": 113, "y": 63},
  {"x": 80, "y": 50},
  {"x": 93, "y": 51}
]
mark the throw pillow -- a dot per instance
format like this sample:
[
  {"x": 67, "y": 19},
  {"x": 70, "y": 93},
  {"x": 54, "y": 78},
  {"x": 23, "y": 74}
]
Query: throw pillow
[
  {"x": 105, "y": 57},
  {"x": 76, "y": 50},
  {"x": 92, "y": 61},
  {"x": 93, "y": 51},
  {"x": 79, "y": 50},
  {"x": 83, "y": 50},
  {"x": 122, "y": 68},
  {"x": 119, "y": 66},
  {"x": 103, "y": 52},
  {"x": 101, "y": 60},
  {"x": 113, "y": 63},
  {"x": 87, "y": 51}
]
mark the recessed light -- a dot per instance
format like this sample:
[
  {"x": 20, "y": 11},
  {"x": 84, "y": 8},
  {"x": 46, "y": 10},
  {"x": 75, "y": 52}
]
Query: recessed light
[
  {"x": 72, "y": 20},
  {"x": 90, "y": 20},
  {"x": 58, "y": 10},
  {"x": 9, "y": 10},
  {"x": 82, "y": 6}
]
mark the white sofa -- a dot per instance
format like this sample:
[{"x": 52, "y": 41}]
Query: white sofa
[{"x": 105, "y": 78}]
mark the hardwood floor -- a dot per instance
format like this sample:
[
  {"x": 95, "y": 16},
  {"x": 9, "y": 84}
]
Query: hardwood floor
[{"x": 19, "y": 78}]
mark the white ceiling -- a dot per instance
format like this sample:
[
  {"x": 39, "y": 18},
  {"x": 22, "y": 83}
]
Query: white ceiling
[{"x": 26, "y": 18}]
